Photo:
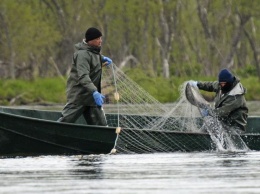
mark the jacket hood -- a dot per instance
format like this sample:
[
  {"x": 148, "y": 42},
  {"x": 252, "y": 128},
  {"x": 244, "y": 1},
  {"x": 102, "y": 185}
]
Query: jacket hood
[
  {"x": 238, "y": 89},
  {"x": 84, "y": 46},
  {"x": 81, "y": 46}
]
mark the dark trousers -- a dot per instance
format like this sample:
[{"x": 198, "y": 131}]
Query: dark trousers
[{"x": 93, "y": 115}]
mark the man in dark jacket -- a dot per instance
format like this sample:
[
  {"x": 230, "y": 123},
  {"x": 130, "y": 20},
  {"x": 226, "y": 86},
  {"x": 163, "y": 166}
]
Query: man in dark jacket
[
  {"x": 230, "y": 103},
  {"x": 84, "y": 82}
]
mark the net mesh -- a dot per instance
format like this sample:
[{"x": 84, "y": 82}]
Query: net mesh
[{"x": 148, "y": 125}]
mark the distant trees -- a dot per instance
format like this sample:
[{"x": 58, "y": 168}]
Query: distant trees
[
  {"x": 26, "y": 38},
  {"x": 162, "y": 37}
]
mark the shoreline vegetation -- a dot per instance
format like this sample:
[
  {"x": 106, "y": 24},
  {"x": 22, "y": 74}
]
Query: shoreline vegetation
[
  {"x": 49, "y": 93},
  {"x": 53, "y": 90}
]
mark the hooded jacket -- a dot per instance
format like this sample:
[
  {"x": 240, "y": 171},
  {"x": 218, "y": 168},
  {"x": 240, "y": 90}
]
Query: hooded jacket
[
  {"x": 230, "y": 107},
  {"x": 85, "y": 75}
]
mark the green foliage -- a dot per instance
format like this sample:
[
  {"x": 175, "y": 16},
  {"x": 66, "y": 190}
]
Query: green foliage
[
  {"x": 248, "y": 71},
  {"x": 167, "y": 90},
  {"x": 52, "y": 90},
  {"x": 28, "y": 32},
  {"x": 164, "y": 90},
  {"x": 253, "y": 88},
  {"x": 26, "y": 92}
]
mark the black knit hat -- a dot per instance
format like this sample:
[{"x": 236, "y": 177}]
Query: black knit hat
[
  {"x": 92, "y": 33},
  {"x": 225, "y": 76}
]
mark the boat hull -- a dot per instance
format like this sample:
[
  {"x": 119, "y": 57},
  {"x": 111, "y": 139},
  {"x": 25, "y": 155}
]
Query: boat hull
[
  {"x": 143, "y": 141},
  {"x": 31, "y": 136},
  {"x": 26, "y": 132}
]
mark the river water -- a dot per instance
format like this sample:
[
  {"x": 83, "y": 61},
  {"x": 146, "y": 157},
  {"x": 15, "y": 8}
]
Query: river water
[{"x": 197, "y": 172}]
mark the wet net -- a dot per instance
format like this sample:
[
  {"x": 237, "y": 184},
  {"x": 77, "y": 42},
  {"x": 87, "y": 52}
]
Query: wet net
[{"x": 149, "y": 126}]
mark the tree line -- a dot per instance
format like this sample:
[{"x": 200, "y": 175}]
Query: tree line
[{"x": 164, "y": 38}]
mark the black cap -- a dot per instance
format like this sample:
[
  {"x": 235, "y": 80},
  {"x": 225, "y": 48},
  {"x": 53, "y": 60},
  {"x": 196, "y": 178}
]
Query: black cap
[{"x": 92, "y": 33}]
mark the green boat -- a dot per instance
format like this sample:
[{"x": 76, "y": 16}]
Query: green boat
[{"x": 26, "y": 132}]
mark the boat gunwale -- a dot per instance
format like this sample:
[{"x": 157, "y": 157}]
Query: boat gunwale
[
  {"x": 56, "y": 122},
  {"x": 106, "y": 127}
]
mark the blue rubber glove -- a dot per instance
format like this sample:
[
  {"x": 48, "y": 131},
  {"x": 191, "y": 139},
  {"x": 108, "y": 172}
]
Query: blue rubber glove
[
  {"x": 193, "y": 83},
  {"x": 108, "y": 60},
  {"x": 98, "y": 98},
  {"x": 205, "y": 112}
]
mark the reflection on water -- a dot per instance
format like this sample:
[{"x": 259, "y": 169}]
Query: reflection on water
[{"x": 144, "y": 173}]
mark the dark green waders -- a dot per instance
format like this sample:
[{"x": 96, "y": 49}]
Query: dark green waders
[{"x": 94, "y": 115}]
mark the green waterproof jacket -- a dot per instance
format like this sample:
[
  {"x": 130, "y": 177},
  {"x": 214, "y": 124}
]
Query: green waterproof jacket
[
  {"x": 85, "y": 75},
  {"x": 230, "y": 107}
]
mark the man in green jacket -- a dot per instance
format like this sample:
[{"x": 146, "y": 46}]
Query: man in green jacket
[
  {"x": 230, "y": 103},
  {"x": 84, "y": 82}
]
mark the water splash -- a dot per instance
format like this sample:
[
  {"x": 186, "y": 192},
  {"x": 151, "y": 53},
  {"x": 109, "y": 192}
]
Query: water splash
[{"x": 226, "y": 139}]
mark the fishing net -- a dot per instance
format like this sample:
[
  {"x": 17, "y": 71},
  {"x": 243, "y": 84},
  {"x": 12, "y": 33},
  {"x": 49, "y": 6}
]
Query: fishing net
[{"x": 148, "y": 125}]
